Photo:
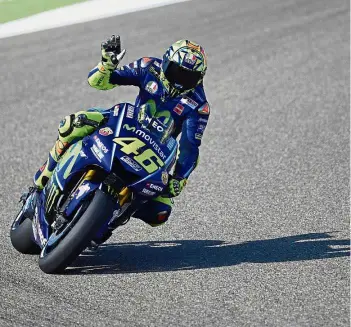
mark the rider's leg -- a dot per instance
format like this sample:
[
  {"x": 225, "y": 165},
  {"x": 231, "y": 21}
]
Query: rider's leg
[
  {"x": 71, "y": 129},
  {"x": 154, "y": 212}
]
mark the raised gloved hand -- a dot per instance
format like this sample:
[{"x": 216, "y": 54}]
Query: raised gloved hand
[
  {"x": 175, "y": 186},
  {"x": 111, "y": 52}
]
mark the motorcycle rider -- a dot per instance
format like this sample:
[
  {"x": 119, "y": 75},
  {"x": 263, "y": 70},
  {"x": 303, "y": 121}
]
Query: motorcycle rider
[{"x": 173, "y": 84}]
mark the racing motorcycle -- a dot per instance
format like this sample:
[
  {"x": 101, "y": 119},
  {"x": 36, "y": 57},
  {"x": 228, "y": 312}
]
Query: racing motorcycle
[{"x": 99, "y": 182}]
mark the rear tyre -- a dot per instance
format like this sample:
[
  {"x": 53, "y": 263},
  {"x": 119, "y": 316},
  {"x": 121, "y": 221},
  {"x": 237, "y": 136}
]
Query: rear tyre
[
  {"x": 22, "y": 237},
  {"x": 56, "y": 259}
]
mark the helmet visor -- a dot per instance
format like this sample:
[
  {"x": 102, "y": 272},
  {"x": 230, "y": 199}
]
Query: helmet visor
[{"x": 182, "y": 78}]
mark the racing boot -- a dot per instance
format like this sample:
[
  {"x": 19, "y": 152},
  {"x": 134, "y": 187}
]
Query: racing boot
[{"x": 41, "y": 177}]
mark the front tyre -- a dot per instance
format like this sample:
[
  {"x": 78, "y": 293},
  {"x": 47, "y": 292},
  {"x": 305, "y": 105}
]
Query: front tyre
[
  {"x": 55, "y": 260},
  {"x": 21, "y": 235}
]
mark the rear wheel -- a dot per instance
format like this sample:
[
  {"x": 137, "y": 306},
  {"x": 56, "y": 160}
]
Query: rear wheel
[
  {"x": 65, "y": 246},
  {"x": 22, "y": 237}
]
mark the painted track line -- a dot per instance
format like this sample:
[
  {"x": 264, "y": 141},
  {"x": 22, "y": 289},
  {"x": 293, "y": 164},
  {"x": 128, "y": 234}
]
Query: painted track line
[{"x": 78, "y": 13}]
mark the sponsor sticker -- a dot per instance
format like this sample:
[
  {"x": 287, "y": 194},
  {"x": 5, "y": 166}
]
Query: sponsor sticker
[
  {"x": 82, "y": 189},
  {"x": 147, "y": 192},
  {"x": 147, "y": 138},
  {"x": 157, "y": 64},
  {"x": 204, "y": 109},
  {"x": 155, "y": 187},
  {"x": 97, "y": 153},
  {"x": 152, "y": 142},
  {"x": 156, "y": 125},
  {"x": 106, "y": 131},
  {"x": 130, "y": 112},
  {"x": 198, "y": 136},
  {"x": 203, "y": 120},
  {"x": 164, "y": 177},
  {"x": 116, "y": 110},
  {"x": 100, "y": 144},
  {"x": 128, "y": 128},
  {"x": 201, "y": 128},
  {"x": 170, "y": 143},
  {"x": 130, "y": 162},
  {"x": 82, "y": 154},
  {"x": 189, "y": 102},
  {"x": 145, "y": 61},
  {"x": 151, "y": 87},
  {"x": 178, "y": 109}
]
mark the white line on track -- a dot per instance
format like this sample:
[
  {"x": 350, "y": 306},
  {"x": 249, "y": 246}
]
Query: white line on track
[{"x": 77, "y": 13}]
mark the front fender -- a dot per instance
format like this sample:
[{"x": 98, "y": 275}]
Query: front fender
[
  {"x": 41, "y": 228},
  {"x": 86, "y": 188}
]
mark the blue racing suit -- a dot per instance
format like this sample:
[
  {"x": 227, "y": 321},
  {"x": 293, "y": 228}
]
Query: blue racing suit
[{"x": 190, "y": 112}]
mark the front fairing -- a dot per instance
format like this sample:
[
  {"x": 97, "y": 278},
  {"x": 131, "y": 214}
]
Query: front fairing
[
  {"x": 87, "y": 152},
  {"x": 40, "y": 226},
  {"x": 150, "y": 163}
]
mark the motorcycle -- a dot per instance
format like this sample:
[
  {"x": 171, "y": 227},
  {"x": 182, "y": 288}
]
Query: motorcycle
[{"x": 99, "y": 182}]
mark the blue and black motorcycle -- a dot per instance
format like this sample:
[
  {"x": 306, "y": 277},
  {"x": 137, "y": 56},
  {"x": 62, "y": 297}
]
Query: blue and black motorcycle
[{"x": 99, "y": 182}]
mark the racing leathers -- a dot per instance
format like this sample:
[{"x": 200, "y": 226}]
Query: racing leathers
[{"x": 190, "y": 113}]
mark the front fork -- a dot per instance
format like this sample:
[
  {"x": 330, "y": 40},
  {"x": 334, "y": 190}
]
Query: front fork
[{"x": 125, "y": 207}]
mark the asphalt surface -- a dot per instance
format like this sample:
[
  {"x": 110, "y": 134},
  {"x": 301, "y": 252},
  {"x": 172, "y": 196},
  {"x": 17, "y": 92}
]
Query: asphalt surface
[{"x": 260, "y": 236}]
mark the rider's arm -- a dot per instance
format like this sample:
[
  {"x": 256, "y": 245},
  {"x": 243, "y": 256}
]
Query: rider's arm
[
  {"x": 103, "y": 79},
  {"x": 190, "y": 141}
]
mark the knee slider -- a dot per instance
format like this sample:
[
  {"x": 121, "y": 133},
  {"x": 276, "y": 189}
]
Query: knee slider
[{"x": 161, "y": 218}]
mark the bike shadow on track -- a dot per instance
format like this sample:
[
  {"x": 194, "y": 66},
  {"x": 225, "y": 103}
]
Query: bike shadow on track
[{"x": 161, "y": 256}]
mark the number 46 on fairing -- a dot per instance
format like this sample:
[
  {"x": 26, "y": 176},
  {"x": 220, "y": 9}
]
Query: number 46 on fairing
[{"x": 148, "y": 159}]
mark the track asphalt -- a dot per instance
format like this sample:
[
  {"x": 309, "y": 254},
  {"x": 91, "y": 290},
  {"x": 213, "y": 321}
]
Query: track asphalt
[{"x": 260, "y": 235}]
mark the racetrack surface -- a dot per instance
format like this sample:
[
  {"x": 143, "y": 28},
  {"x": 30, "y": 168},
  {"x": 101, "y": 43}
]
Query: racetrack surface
[{"x": 260, "y": 235}]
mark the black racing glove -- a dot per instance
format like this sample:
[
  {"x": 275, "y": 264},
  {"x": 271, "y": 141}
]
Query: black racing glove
[
  {"x": 111, "y": 52},
  {"x": 175, "y": 186}
]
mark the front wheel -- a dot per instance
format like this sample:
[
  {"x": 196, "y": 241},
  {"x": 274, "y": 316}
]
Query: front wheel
[
  {"x": 57, "y": 255},
  {"x": 21, "y": 235}
]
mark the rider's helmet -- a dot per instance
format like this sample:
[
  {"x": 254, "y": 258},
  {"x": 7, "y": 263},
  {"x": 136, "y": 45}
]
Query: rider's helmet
[{"x": 183, "y": 67}]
